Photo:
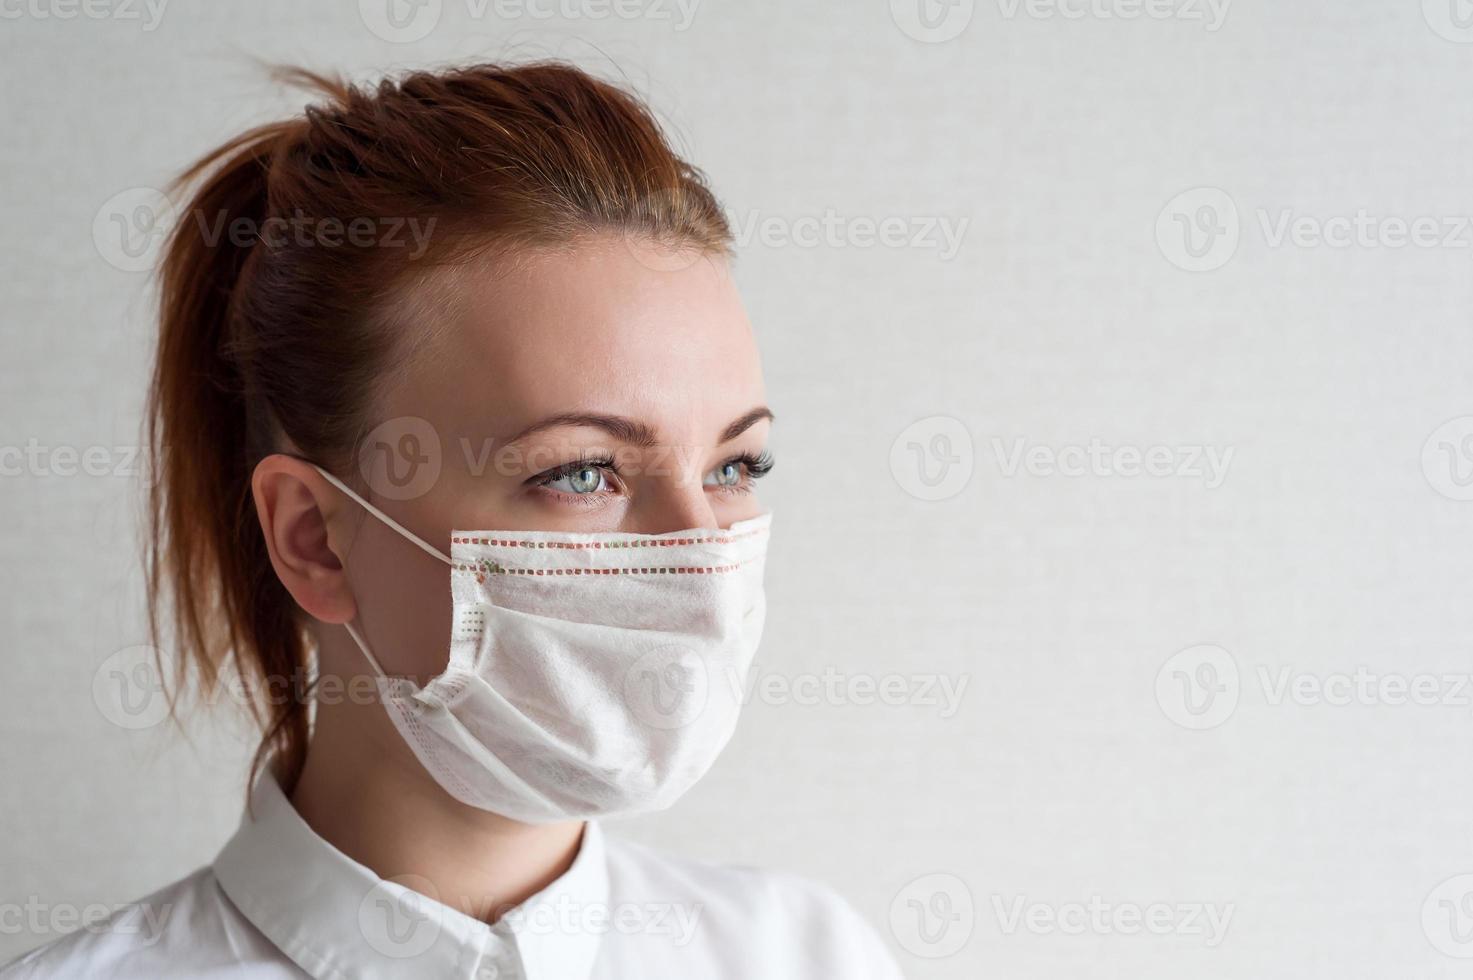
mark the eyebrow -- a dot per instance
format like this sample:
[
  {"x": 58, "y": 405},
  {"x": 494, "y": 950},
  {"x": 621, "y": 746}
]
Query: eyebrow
[
  {"x": 631, "y": 431},
  {"x": 746, "y": 422}
]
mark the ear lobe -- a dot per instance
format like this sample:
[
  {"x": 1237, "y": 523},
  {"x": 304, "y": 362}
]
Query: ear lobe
[{"x": 306, "y": 536}]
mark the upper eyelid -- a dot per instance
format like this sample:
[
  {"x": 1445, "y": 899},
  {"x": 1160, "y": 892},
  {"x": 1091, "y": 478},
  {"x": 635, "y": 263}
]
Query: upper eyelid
[
  {"x": 612, "y": 462},
  {"x": 603, "y": 462}
]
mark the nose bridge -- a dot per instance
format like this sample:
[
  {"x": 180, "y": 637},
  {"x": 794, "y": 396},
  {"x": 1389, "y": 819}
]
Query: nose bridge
[{"x": 674, "y": 498}]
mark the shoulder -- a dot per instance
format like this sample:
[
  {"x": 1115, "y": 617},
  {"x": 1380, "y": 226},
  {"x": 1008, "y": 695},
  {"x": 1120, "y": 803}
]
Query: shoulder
[
  {"x": 792, "y": 925},
  {"x": 188, "y": 928}
]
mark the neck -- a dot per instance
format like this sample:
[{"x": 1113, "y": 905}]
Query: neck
[{"x": 363, "y": 791}]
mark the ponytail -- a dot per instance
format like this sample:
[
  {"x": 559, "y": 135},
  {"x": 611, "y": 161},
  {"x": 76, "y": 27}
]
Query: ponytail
[{"x": 229, "y": 609}]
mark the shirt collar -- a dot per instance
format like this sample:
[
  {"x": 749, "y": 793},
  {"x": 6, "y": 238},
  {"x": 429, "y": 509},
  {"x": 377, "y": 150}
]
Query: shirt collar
[{"x": 337, "y": 919}]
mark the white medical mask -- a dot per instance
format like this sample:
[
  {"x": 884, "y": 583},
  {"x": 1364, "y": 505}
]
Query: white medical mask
[{"x": 590, "y": 674}]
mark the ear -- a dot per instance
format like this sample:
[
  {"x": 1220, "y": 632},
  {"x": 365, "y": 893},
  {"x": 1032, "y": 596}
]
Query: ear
[{"x": 308, "y": 532}]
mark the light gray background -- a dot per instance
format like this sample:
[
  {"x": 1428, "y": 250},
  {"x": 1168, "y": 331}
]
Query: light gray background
[{"x": 1333, "y": 543}]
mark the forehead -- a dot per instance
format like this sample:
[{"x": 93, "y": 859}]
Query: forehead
[{"x": 613, "y": 327}]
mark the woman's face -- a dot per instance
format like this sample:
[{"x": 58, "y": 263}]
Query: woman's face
[{"x": 614, "y": 386}]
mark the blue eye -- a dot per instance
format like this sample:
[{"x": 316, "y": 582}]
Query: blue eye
[
  {"x": 728, "y": 474},
  {"x": 738, "y": 473},
  {"x": 578, "y": 481}
]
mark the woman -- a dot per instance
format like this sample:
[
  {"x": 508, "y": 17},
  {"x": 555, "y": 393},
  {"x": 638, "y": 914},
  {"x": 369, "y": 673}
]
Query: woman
[{"x": 485, "y": 298}]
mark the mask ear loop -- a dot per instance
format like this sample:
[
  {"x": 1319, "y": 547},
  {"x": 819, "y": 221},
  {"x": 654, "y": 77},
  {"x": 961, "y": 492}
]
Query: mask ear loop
[
  {"x": 363, "y": 645},
  {"x": 404, "y": 532}
]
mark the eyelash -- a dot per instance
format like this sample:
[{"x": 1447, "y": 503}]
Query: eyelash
[{"x": 755, "y": 467}]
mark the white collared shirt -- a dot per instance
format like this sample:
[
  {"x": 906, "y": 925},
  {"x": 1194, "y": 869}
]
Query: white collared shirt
[{"x": 281, "y": 902}]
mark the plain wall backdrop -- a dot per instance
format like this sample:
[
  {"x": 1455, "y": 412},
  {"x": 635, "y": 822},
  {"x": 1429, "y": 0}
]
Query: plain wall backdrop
[{"x": 1121, "y": 352}]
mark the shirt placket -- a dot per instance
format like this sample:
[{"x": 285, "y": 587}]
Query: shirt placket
[{"x": 494, "y": 957}]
